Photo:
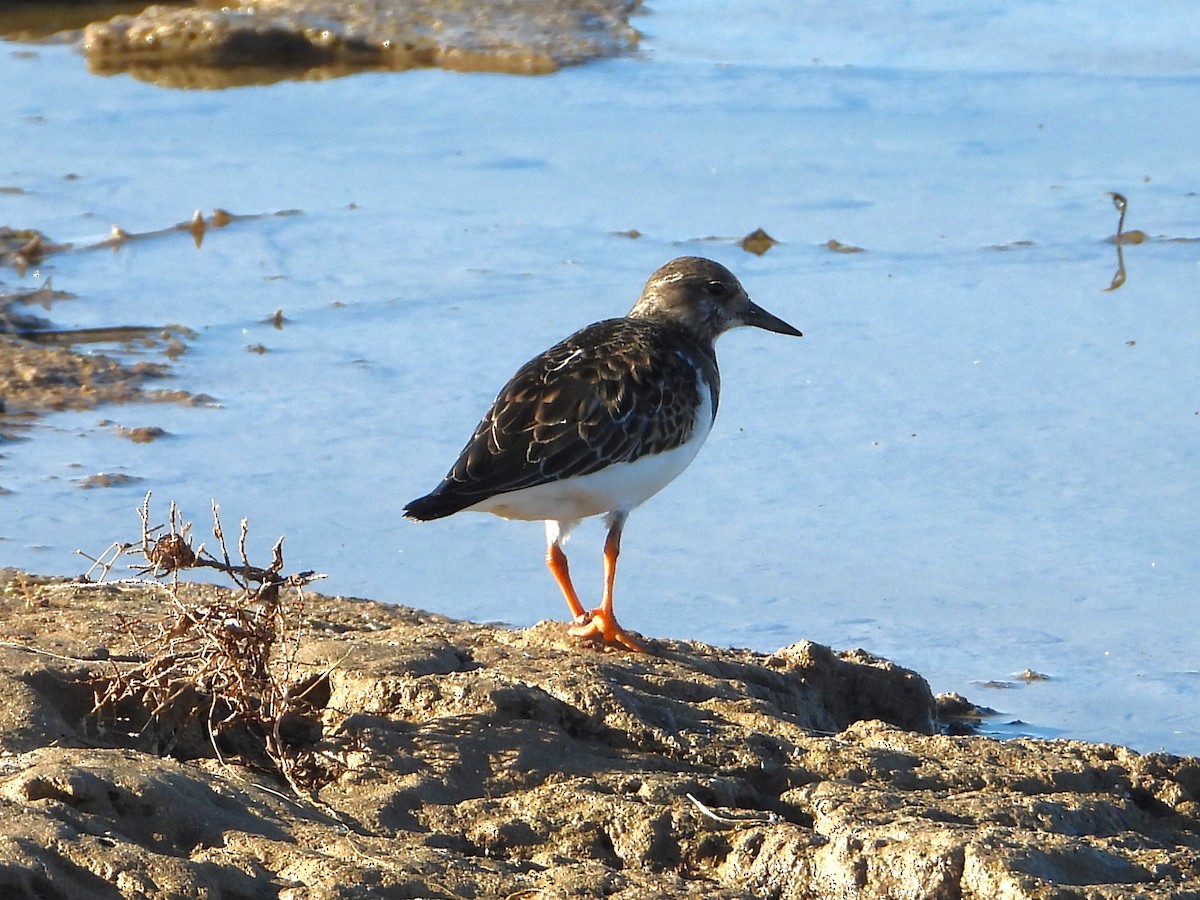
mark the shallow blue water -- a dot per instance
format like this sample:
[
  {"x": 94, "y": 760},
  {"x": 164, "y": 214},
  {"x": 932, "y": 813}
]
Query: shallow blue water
[{"x": 975, "y": 462}]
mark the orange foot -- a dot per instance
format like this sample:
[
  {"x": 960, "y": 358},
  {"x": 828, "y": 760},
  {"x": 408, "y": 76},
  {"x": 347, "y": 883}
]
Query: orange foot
[{"x": 599, "y": 625}]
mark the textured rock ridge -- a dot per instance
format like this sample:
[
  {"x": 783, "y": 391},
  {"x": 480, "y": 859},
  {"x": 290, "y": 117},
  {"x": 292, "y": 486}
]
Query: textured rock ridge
[{"x": 463, "y": 760}]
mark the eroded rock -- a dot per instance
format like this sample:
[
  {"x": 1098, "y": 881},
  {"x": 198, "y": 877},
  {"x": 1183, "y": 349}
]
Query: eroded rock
[
  {"x": 216, "y": 45},
  {"x": 474, "y": 761}
]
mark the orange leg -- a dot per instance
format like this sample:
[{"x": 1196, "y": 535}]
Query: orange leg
[
  {"x": 557, "y": 561},
  {"x": 601, "y": 623}
]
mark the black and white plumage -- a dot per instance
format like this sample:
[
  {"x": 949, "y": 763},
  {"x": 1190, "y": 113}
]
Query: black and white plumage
[{"x": 603, "y": 420}]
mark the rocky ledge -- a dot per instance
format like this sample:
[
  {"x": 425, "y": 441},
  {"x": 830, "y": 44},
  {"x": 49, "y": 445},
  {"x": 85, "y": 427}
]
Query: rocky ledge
[
  {"x": 438, "y": 758},
  {"x": 208, "y": 44}
]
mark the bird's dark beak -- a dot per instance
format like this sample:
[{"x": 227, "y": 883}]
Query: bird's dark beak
[{"x": 760, "y": 318}]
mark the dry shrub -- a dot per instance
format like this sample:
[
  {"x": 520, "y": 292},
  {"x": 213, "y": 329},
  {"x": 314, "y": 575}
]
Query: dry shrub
[{"x": 227, "y": 667}]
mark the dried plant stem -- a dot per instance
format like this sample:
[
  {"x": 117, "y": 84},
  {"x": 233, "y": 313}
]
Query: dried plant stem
[{"x": 229, "y": 665}]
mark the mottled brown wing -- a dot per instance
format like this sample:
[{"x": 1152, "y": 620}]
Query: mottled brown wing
[{"x": 610, "y": 393}]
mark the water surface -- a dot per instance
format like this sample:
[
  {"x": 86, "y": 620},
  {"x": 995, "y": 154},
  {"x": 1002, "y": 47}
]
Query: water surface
[{"x": 976, "y": 462}]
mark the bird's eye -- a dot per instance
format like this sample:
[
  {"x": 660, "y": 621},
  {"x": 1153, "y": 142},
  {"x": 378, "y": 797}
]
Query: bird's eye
[{"x": 716, "y": 289}]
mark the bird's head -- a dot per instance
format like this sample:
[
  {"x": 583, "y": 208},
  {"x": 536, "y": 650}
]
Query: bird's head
[{"x": 703, "y": 297}]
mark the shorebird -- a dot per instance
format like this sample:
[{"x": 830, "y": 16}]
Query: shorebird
[{"x": 602, "y": 421}]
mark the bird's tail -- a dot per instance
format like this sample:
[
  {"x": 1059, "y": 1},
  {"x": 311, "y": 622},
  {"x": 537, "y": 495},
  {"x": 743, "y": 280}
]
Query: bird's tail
[{"x": 435, "y": 506}]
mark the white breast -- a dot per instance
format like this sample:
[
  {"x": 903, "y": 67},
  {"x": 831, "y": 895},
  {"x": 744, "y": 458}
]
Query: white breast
[{"x": 620, "y": 486}]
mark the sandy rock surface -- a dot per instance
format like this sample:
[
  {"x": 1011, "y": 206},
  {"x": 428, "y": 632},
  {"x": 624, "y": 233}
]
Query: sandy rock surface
[
  {"x": 187, "y": 46},
  {"x": 463, "y": 760}
]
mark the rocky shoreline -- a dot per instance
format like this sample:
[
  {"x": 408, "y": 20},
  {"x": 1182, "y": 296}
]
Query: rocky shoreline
[
  {"x": 451, "y": 759},
  {"x": 219, "y": 45}
]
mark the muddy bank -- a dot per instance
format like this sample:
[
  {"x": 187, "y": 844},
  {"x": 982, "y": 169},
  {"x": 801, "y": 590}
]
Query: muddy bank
[
  {"x": 45, "y": 368},
  {"x": 450, "y": 759}
]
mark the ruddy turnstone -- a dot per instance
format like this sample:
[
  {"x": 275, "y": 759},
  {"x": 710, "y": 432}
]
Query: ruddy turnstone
[{"x": 602, "y": 421}]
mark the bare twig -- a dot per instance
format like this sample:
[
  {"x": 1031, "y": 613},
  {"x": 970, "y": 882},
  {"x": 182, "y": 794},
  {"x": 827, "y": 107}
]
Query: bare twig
[
  {"x": 229, "y": 664},
  {"x": 1122, "y": 205},
  {"x": 750, "y": 818}
]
